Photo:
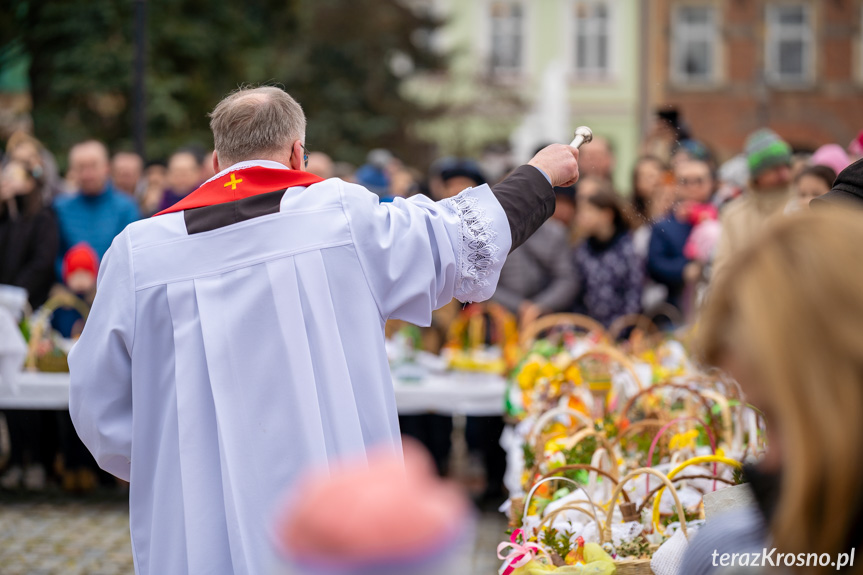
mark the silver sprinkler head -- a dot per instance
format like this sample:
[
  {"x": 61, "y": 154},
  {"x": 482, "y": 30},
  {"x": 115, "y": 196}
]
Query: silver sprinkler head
[{"x": 583, "y": 135}]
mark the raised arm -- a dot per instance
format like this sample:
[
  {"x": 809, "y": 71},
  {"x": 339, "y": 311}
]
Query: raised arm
[{"x": 418, "y": 254}]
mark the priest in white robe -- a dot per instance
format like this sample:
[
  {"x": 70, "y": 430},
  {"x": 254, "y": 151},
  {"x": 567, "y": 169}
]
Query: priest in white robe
[{"x": 238, "y": 338}]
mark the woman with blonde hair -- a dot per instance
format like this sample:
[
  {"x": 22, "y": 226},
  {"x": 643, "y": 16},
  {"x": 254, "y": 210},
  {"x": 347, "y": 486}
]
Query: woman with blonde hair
[{"x": 787, "y": 322}]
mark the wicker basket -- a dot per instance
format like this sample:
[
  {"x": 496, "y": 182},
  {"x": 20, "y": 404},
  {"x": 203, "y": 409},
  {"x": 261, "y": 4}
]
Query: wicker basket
[
  {"x": 40, "y": 330},
  {"x": 640, "y": 566}
]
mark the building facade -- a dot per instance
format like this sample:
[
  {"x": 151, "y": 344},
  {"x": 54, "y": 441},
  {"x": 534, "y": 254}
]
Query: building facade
[
  {"x": 732, "y": 66},
  {"x": 528, "y": 72}
]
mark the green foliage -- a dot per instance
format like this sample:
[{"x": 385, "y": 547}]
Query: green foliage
[
  {"x": 581, "y": 453},
  {"x": 333, "y": 56},
  {"x": 560, "y": 543},
  {"x": 637, "y": 548},
  {"x": 529, "y": 455}
]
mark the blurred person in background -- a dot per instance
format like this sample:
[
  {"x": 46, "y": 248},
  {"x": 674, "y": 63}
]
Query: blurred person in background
[
  {"x": 832, "y": 156},
  {"x": 374, "y": 174},
  {"x": 345, "y": 171},
  {"x": 126, "y": 171},
  {"x": 768, "y": 193},
  {"x": 153, "y": 187},
  {"x": 784, "y": 321},
  {"x": 610, "y": 274},
  {"x": 690, "y": 149},
  {"x": 648, "y": 184},
  {"x": 539, "y": 278},
  {"x": 28, "y": 234},
  {"x": 455, "y": 175},
  {"x": 732, "y": 178},
  {"x": 98, "y": 212},
  {"x": 667, "y": 263},
  {"x": 39, "y": 162},
  {"x": 653, "y": 194},
  {"x": 403, "y": 183},
  {"x": 564, "y": 207},
  {"x": 847, "y": 190},
  {"x": 320, "y": 164},
  {"x": 667, "y": 130},
  {"x": 80, "y": 269},
  {"x": 28, "y": 249},
  {"x": 597, "y": 159},
  {"x": 182, "y": 178},
  {"x": 813, "y": 182}
]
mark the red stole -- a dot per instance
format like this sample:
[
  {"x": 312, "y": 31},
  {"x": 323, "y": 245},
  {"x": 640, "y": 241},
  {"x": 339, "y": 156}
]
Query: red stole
[{"x": 240, "y": 184}]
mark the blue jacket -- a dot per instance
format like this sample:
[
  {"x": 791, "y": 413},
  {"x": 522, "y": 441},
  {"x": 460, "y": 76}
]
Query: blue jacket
[
  {"x": 93, "y": 219},
  {"x": 665, "y": 259}
]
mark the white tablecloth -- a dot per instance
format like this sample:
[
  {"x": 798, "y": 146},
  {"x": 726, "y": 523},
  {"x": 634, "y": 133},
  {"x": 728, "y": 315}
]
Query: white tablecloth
[{"x": 443, "y": 393}]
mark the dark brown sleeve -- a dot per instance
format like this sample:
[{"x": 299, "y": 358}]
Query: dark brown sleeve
[{"x": 528, "y": 200}]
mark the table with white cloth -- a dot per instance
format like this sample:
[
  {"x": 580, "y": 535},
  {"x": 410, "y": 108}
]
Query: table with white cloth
[{"x": 446, "y": 393}]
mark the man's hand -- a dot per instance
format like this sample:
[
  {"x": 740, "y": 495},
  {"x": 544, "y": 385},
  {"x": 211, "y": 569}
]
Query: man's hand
[{"x": 560, "y": 162}]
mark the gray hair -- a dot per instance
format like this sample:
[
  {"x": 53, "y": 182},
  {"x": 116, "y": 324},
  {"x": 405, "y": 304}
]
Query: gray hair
[{"x": 253, "y": 123}]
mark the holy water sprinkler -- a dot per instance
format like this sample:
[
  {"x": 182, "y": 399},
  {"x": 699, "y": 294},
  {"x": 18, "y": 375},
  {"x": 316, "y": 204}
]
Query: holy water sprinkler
[{"x": 583, "y": 135}]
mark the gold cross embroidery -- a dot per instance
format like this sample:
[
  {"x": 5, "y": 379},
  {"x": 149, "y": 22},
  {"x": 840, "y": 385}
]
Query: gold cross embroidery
[{"x": 234, "y": 181}]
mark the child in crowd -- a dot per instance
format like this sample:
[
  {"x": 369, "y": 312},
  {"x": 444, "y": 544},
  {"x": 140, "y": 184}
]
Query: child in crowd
[
  {"x": 610, "y": 273},
  {"x": 80, "y": 268},
  {"x": 813, "y": 182}
]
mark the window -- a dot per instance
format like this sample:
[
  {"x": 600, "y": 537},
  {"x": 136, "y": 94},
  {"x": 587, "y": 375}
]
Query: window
[
  {"x": 507, "y": 36},
  {"x": 789, "y": 44},
  {"x": 694, "y": 46},
  {"x": 593, "y": 39}
]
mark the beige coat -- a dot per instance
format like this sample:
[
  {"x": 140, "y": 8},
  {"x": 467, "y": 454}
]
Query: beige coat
[{"x": 742, "y": 221}]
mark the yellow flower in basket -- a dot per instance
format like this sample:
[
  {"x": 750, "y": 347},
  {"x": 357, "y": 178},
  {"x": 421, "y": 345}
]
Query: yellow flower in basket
[
  {"x": 685, "y": 440},
  {"x": 550, "y": 371},
  {"x": 528, "y": 375},
  {"x": 573, "y": 374}
]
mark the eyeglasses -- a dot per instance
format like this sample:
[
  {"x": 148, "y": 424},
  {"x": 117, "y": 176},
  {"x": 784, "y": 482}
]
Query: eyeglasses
[
  {"x": 691, "y": 181},
  {"x": 305, "y": 156}
]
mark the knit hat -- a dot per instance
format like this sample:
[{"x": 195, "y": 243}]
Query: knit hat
[
  {"x": 80, "y": 257},
  {"x": 765, "y": 150},
  {"x": 832, "y": 156}
]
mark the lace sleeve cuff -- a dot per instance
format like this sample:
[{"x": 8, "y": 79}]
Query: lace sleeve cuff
[{"x": 483, "y": 242}]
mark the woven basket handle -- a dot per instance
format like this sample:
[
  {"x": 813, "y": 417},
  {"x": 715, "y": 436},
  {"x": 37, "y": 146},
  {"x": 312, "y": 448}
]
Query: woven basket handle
[
  {"x": 597, "y": 512},
  {"x": 673, "y": 474},
  {"x": 614, "y": 355},
  {"x": 606, "y": 533},
  {"x": 532, "y": 330}
]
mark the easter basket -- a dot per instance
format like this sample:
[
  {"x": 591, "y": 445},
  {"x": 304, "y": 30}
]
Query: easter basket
[
  {"x": 484, "y": 338},
  {"x": 45, "y": 352},
  {"x": 640, "y": 565}
]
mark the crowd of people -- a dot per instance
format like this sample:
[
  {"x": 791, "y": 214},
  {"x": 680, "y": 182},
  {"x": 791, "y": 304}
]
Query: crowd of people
[{"x": 610, "y": 250}]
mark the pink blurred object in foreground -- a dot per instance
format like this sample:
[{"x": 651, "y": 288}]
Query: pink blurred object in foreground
[{"x": 383, "y": 516}]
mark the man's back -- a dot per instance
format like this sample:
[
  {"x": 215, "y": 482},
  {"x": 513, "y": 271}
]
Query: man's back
[{"x": 246, "y": 343}]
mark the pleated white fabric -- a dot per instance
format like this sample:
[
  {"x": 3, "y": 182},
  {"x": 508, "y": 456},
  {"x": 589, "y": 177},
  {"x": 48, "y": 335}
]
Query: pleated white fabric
[{"x": 215, "y": 367}]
